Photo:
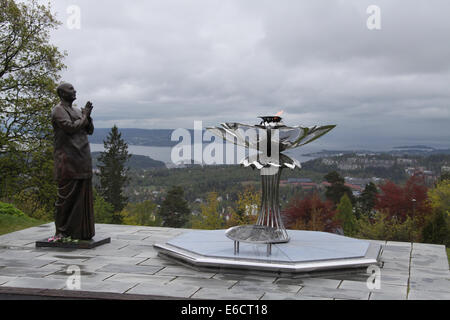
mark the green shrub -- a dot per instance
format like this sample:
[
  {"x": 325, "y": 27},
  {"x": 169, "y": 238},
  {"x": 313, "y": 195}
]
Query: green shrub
[
  {"x": 9, "y": 209},
  {"x": 383, "y": 228}
]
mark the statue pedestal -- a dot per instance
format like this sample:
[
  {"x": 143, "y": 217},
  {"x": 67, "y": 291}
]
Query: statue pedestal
[{"x": 81, "y": 244}]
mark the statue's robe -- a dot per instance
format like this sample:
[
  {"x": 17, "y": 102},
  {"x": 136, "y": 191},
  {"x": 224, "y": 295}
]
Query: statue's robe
[{"x": 74, "y": 214}]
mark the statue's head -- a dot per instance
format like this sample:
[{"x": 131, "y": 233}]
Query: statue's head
[{"x": 66, "y": 92}]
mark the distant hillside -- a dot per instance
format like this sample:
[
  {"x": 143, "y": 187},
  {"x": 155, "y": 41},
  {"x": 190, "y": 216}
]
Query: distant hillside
[
  {"x": 397, "y": 151},
  {"x": 135, "y": 162},
  {"x": 138, "y": 137},
  {"x": 415, "y": 147}
]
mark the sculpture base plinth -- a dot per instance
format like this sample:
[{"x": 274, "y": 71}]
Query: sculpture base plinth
[
  {"x": 307, "y": 251},
  {"x": 81, "y": 244}
]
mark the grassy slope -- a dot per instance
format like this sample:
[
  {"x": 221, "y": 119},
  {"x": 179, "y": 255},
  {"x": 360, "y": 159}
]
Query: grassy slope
[{"x": 9, "y": 223}]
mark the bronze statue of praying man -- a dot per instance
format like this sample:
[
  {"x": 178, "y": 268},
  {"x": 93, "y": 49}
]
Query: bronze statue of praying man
[{"x": 74, "y": 214}]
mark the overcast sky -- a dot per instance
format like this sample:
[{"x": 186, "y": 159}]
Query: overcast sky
[{"x": 165, "y": 63}]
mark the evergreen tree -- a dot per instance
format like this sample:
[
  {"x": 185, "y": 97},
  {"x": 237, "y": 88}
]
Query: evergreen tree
[
  {"x": 174, "y": 210},
  {"x": 113, "y": 173},
  {"x": 337, "y": 189},
  {"x": 345, "y": 216},
  {"x": 368, "y": 199}
]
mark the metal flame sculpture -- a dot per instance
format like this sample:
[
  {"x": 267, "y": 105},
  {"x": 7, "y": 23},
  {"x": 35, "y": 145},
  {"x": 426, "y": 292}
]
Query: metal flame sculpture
[{"x": 267, "y": 140}]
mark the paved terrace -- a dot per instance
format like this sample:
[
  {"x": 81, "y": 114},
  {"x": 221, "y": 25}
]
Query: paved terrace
[{"x": 129, "y": 267}]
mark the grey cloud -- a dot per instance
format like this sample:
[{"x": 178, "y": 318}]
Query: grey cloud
[{"x": 164, "y": 64}]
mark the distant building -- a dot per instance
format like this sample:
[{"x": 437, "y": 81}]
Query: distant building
[
  {"x": 404, "y": 161},
  {"x": 299, "y": 180},
  {"x": 305, "y": 183},
  {"x": 328, "y": 162}
]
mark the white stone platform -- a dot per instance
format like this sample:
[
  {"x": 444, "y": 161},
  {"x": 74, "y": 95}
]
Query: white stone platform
[
  {"x": 129, "y": 267},
  {"x": 307, "y": 251}
]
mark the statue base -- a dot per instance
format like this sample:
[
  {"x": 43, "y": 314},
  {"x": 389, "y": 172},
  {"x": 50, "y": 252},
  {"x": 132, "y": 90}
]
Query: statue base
[{"x": 81, "y": 244}]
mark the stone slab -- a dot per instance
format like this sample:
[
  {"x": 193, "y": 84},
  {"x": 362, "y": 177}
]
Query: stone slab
[
  {"x": 232, "y": 294},
  {"x": 428, "y": 295},
  {"x": 173, "y": 291},
  {"x": 24, "y": 282},
  {"x": 284, "y": 296}
]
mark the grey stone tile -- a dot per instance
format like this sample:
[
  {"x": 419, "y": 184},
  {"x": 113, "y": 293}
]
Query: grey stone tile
[
  {"x": 4, "y": 279},
  {"x": 386, "y": 289},
  {"x": 120, "y": 268},
  {"x": 428, "y": 295},
  {"x": 36, "y": 283},
  {"x": 394, "y": 279},
  {"x": 116, "y": 260},
  {"x": 25, "y": 263},
  {"x": 231, "y": 294},
  {"x": 391, "y": 264},
  {"x": 203, "y": 282},
  {"x": 429, "y": 273},
  {"x": 130, "y": 237},
  {"x": 428, "y": 284},
  {"x": 335, "y": 293},
  {"x": 147, "y": 254},
  {"x": 157, "y": 261},
  {"x": 140, "y": 247},
  {"x": 140, "y": 278},
  {"x": 245, "y": 277},
  {"x": 43, "y": 251},
  {"x": 361, "y": 275},
  {"x": 67, "y": 258},
  {"x": 285, "y": 296},
  {"x": 106, "y": 286},
  {"x": 262, "y": 287},
  {"x": 20, "y": 254},
  {"x": 84, "y": 266},
  {"x": 108, "y": 247},
  {"x": 124, "y": 252},
  {"x": 158, "y": 239},
  {"x": 428, "y": 247},
  {"x": 181, "y": 271},
  {"x": 429, "y": 261},
  {"x": 20, "y": 242},
  {"x": 311, "y": 282},
  {"x": 86, "y": 274},
  {"x": 375, "y": 295},
  {"x": 380, "y": 242},
  {"x": 174, "y": 291},
  {"x": 403, "y": 256},
  {"x": 396, "y": 248},
  {"x": 398, "y": 244},
  {"x": 27, "y": 272}
]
